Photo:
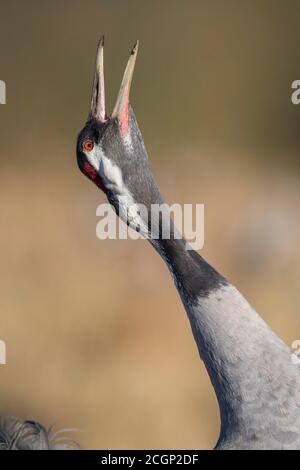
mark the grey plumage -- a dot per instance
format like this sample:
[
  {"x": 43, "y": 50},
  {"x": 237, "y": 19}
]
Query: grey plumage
[
  {"x": 256, "y": 383},
  {"x": 18, "y": 434}
]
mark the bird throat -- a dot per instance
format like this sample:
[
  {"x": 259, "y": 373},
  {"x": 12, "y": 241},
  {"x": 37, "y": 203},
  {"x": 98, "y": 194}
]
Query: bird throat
[{"x": 92, "y": 174}]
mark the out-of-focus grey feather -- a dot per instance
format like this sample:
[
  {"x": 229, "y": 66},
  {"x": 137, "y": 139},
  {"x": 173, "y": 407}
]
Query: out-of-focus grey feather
[{"x": 18, "y": 434}]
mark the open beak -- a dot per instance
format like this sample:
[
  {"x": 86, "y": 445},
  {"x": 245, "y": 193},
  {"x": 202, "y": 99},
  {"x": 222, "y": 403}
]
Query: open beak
[{"x": 121, "y": 109}]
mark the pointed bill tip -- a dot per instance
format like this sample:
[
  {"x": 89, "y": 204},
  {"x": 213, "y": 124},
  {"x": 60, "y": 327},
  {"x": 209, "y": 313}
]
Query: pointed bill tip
[
  {"x": 100, "y": 43},
  {"x": 135, "y": 48},
  {"x": 99, "y": 56}
]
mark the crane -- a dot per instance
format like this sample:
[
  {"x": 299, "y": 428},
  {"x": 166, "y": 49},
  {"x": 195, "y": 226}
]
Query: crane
[{"x": 256, "y": 383}]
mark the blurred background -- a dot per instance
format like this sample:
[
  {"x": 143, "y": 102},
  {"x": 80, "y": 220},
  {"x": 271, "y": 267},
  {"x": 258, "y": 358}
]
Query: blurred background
[{"x": 96, "y": 336}]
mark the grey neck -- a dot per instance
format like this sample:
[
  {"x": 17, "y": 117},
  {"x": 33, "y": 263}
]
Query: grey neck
[{"x": 236, "y": 345}]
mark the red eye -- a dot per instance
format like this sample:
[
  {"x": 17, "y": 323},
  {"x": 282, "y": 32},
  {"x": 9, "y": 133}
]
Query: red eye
[{"x": 88, "y": 145}]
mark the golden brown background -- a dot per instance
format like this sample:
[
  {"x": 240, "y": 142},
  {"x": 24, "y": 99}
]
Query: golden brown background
[{"x": 96, "y": 336}]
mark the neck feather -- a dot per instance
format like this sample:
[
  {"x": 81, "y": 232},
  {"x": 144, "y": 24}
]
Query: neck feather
[{"x": 236, "y": 345}]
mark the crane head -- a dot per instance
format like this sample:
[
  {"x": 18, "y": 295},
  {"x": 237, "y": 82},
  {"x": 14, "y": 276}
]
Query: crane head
[{"x": 110, "y": 149}]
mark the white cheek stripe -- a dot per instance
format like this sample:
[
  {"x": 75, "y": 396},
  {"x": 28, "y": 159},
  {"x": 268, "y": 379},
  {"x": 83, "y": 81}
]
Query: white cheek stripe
[
  {"x": 111, "y": 174},
  {"x": 112, "y": 177},
  {"x": 93, "y": 161}
]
